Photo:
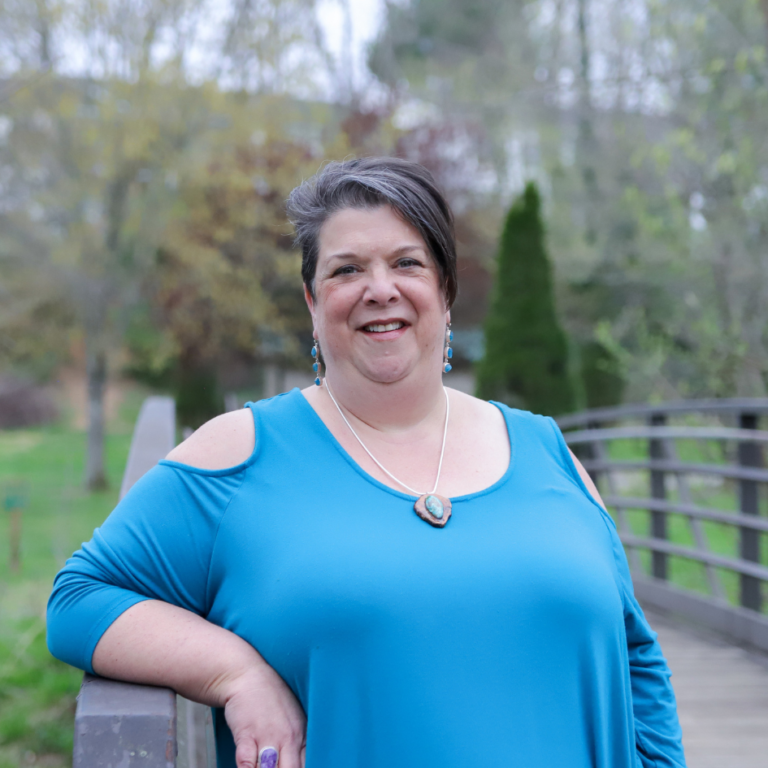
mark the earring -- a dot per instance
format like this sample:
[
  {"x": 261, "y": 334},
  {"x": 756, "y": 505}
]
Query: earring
[
  {"x": 448, "y": 354},
  {"x": 316, "y": 364}
]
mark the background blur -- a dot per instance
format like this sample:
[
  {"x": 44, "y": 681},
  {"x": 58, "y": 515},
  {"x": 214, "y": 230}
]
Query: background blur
[{"x": 147, "y": 148}]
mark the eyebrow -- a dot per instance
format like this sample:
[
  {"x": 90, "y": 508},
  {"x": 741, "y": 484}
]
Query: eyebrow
[{"x": 397, "y": 252}]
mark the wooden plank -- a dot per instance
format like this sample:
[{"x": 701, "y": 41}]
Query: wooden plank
[
  {"x": 740, "y": 625},
  {"x": 657, "y": 545},
  {"x": 153, "y": 437},
  {"x": 722, "y": 696},
  {"x": 658, "y": 491},
  {"x": 720, "y": 470},
  {"x": 689, "y": 510},
  {"x": 725, "y": 406},
  {"x": 750, "y": 455},
  {"x": 117, "y": 723},
  {"x": 666, "y": 433},
  {"x": 121, "y": 724}
]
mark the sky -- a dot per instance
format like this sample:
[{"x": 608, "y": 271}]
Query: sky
[
  {"x": 347, "y": 43},
  {"x": 366, "y": 18}
]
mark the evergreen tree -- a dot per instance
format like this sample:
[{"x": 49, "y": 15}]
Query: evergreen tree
[
  {"x": 603, "y": 385},
  {"x": 526, "y": 353}
]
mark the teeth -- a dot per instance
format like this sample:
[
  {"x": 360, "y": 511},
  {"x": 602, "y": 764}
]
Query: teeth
[{"x": 383, "y": 328}]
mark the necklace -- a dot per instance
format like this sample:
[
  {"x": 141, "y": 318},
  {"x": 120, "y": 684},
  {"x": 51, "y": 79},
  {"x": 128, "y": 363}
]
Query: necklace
[{"x": 436, "y": 510}]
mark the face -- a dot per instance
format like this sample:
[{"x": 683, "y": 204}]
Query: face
[{"x": 379, "y": 310}]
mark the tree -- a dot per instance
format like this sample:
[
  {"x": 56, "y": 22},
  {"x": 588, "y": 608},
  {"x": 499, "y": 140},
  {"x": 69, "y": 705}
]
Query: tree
[
  {"x": 227, "y": 281},
  {"x": 92, "y": 145},
  {"x": 526, "y": 353},
  {"x": 644, "y": 123},
  {"x": 603, "y": 386}
]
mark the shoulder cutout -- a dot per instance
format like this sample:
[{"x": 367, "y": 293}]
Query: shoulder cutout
[
  {"x": 221, "y": 443},
  {"x": 587, "y": 480}
]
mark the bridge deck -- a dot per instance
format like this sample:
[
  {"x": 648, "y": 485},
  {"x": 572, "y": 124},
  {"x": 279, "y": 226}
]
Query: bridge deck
[{"x": 722, "y": 694}]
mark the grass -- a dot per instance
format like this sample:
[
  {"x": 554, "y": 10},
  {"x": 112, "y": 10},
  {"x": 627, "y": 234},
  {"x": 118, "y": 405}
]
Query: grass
[
  {"x": 37, "y": 692},
  {"x": 37, "y": 698}
]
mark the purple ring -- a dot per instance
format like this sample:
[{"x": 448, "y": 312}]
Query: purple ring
[{"x": 268, "y": 757}]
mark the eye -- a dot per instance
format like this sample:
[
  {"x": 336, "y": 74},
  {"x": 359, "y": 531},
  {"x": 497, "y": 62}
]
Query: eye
[
  {"x": 409, "y": 261},
  {"x": 347, "y": 269}
]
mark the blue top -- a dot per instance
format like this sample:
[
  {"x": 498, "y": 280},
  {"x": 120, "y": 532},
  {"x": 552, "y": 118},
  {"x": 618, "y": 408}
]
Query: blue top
[{"x": 511, "y": 637}]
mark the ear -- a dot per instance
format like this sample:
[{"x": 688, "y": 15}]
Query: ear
[
  {"x": 448, "y": 317},
  {"x": 310, "y": 302}
]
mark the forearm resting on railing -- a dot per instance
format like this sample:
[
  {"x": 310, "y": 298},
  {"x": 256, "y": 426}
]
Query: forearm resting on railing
[{"x": 156, "y": 643}]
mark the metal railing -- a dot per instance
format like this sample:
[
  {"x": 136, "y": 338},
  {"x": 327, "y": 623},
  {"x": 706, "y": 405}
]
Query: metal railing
[
  {"x": 131, "y": 725},
  {"x": 594, "y": 434}
]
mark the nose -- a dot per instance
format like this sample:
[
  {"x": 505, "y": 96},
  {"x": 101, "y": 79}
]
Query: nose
[{"x": 381, "y": 287}]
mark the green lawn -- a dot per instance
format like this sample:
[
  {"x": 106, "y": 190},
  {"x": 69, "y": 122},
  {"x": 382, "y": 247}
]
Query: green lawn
[{"x": 37, "y": 692}]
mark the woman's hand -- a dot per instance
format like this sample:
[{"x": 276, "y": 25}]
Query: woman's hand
[
  {"x": 160, "y": 644},
  {"x": 262, "y": 711}
]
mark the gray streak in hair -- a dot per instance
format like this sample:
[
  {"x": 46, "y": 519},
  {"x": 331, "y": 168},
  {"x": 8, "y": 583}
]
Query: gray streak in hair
[{"x": 370, "y": 183}]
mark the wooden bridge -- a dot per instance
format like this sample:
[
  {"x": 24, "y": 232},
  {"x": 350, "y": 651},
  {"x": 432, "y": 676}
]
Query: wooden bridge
[{"x": 686, "y": 484}]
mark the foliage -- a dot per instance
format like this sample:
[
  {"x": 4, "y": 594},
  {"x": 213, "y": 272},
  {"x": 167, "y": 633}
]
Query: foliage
[
  {"x": 225, "y": 289},
  {"x": 92, "y": 151},
  {"x": 644, "y": 127},
  {"x": 603, "y": 386},
  {"x": 526, "y": 353},
  {"x": 37, "y": 698}
]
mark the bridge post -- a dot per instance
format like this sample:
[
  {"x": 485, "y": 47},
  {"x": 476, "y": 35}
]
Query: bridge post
[
  {"x": 590, "y": 452},
  {"x": 750, "y": 455},
  {"x": 659, "y": 560},
  {"x": 123, "y": 724}
]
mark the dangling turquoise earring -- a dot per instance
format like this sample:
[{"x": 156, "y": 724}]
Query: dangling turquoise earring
[
  {"x": 316, "y": 364},
  {"x": 448, "y": 354}
]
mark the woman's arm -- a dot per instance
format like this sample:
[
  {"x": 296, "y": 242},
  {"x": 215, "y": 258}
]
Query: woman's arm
[
  {"x": 657, "y": 728},
  {"x": 156, "y": 643},
  {"x": 130, "y": 603}
]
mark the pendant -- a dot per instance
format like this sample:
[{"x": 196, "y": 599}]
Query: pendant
[{"x": 436, "y": 510}]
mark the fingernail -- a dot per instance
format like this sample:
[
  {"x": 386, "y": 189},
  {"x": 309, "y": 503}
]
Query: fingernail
[{"x": 268, "y": 758}]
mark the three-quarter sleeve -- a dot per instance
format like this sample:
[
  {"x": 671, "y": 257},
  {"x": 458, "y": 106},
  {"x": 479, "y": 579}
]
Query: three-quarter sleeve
[
  {"x": 657, "y": 729},
  {"x": 658, "y": 736},
  {"x": 156, "y": 544}
]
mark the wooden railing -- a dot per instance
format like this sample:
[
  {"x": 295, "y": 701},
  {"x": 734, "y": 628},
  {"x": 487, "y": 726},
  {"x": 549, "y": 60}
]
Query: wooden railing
[
  {"x": 595, "y": 437},
  {"x": 134, "y": 725},
  {"x": 137, "y": 725}
]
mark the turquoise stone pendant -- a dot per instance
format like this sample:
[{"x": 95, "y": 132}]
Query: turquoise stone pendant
[{"x": 436, "y": 510}]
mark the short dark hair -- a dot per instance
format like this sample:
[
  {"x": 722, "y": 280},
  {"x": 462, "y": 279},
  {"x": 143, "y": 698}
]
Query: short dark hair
[{"x": 370, "y": 183}]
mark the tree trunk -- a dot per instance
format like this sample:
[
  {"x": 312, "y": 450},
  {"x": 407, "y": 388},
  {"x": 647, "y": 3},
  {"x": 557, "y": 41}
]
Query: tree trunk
[
  {"x": 96, "y": 371},
  {"x": 764, "y": 3},
  {"x": 587, "y": 143}
]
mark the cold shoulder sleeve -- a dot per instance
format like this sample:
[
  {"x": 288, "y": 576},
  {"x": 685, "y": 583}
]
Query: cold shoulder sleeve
[
  {"x": 156, "y": 544},
  {"x": 658, "y": 736}
]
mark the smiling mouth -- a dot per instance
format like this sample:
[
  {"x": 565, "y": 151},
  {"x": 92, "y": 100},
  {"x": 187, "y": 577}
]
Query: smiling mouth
[{"x": 383, "y": 328}]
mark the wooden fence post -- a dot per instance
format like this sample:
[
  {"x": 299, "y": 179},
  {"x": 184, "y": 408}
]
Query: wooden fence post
[
  {"x": 14, "y": 539},
  {"x": 591, "y": 452},
  {"x": 750, "y": 455},
  {"x": 14, "y": 502},
  {"x": 659, "y": 560},
  {"x": 121, "y": 724}
]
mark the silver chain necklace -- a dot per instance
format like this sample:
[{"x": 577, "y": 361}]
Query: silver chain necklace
[{"x": 429, "y": 506}]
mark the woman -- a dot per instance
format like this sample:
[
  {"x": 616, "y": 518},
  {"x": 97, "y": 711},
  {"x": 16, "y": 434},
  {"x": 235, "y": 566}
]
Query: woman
[{"x": 431, "y": 578}]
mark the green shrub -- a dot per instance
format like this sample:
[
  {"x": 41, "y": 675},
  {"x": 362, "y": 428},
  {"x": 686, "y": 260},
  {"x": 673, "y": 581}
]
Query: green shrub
[
  {"x": 526, "y": 353},
  {"x": 603, "y": 385}
]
